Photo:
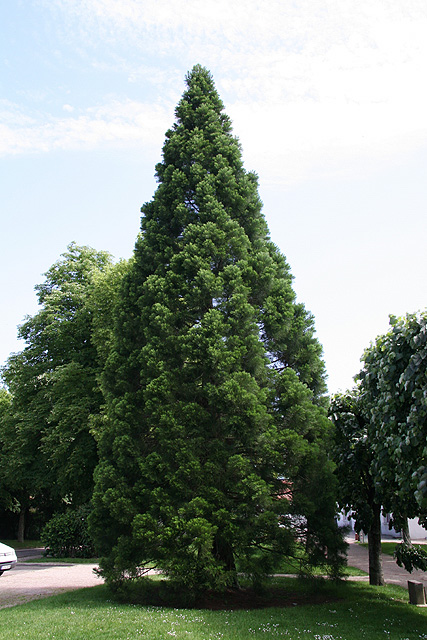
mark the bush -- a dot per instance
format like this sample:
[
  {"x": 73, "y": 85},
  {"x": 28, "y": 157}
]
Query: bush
[{"x": 66, "y": 535}]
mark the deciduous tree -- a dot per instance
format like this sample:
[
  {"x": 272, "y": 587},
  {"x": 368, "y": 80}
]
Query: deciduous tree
[
  {"x": 355, "y": 469},
  {"x": 394, "y": 387},
  {"x": 394, "y": 384},
  {"x": 50, "y": 450},
  {"x": 381, "y": 436}
]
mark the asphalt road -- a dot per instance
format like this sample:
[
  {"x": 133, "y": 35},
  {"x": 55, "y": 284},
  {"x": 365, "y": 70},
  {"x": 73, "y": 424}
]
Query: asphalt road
[{"x": 393, "y": 574}]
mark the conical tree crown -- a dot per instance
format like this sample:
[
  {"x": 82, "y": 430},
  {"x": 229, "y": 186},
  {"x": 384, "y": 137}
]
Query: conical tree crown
[
  {"x": 204, "y": 383},
  {"x": 201, "y": 177}
]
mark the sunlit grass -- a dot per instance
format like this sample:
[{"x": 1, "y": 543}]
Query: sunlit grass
[
  {"x": 354, "y": 571},
  {"x": 287, "y": 566},
  {"x": 292, "y": 567},
  {"x": 389, "y": 547},
  {"x": 354, "y": 611},
  {"x": 45, "y": 559}
]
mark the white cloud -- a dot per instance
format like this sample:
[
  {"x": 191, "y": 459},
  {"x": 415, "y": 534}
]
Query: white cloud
[
  {"x": 112, "y": 124},
  {"x": 272, "y": 50},
  {"x": 290, "y": 143},
  {"x": 284, "y": 143},
  {"x": 310, "y": 27},
  {"x": 312, "y": 86}
]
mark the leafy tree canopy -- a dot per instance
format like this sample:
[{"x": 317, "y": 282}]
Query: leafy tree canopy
[
  {"x": 354, "y": 457},
  {"x": 358, "y": 492},
  {"x": 394, "y": 386},
  {"x": 381, "y": 433},
  {"x": 49, "y": 450}
]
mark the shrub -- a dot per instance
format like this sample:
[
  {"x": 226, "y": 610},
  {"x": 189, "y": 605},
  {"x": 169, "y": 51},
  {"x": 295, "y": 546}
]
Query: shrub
[{"x": 66, "y": 535}]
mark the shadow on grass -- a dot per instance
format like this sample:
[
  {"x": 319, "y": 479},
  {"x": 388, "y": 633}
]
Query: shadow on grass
[{"x": 279, "y": 592}]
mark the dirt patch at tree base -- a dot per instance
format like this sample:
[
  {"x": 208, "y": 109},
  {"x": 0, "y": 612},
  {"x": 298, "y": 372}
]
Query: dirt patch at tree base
[
  {"x": 163, "y": 594},
  {"x": 250, "y": 599}
]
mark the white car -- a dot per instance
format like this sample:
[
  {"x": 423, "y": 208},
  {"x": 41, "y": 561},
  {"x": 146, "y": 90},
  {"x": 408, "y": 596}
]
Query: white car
[{"x": 8, "y": 558}]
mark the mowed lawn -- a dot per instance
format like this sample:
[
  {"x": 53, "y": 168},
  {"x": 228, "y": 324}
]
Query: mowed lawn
[{"x": 353, "y": 611}]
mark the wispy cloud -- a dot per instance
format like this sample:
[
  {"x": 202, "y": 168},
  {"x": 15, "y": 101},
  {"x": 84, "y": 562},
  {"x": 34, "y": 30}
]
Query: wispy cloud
[
  {"x": 324, "y": 82},
  {"x": 112, "y": 124},
  {"x": 255, "y": 33}
]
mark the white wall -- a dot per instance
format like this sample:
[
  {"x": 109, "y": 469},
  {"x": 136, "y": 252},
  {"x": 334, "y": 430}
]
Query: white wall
[{"x": 416, "y": 531}]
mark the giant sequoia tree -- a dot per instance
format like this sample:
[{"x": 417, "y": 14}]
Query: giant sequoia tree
[{"x": 212, "y": 452}]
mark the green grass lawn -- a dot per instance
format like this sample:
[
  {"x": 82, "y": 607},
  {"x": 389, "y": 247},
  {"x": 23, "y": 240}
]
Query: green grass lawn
[
  {"x": 27, "y": 544},
  {"x": 46, "y": 559},
  {"x": 354, "y": 611},
  {"x": 288, "y": 566},
  {"x": 389, "y": 547}
]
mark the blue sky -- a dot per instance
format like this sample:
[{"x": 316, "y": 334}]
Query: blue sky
[{"x": 329, "y": 101}]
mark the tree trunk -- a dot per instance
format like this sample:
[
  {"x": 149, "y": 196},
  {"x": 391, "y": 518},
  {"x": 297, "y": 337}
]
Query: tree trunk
[
  {"x": 405, "y": 532},
  {"x": 21, "y": 525},
  {"x": 374, "y": 547},
  {"x": 224, "y": 553}
]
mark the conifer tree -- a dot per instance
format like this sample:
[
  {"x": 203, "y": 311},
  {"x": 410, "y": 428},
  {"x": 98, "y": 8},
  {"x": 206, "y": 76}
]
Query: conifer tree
[{"x": 212, "y": 455}]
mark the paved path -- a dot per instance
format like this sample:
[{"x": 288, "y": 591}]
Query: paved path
[
  {"x": 393, "y": 574},
  {"x": 31, "y": 581}
]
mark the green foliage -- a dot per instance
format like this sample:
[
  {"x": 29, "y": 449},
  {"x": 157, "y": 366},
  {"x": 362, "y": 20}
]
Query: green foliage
[
  {"x": 66, "y": 535},
  {"x": 358, "y": 491},
  {"x": 48, "y": 452},
  {"x": 353, "y": 456},
  {"x": 381, "y": 431},
  {"x": 212, "y": 447},
  {"x": 6, "y": 498},
  {"x": 411, "y": 557},
  {"x": 394, "y": 384}
]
